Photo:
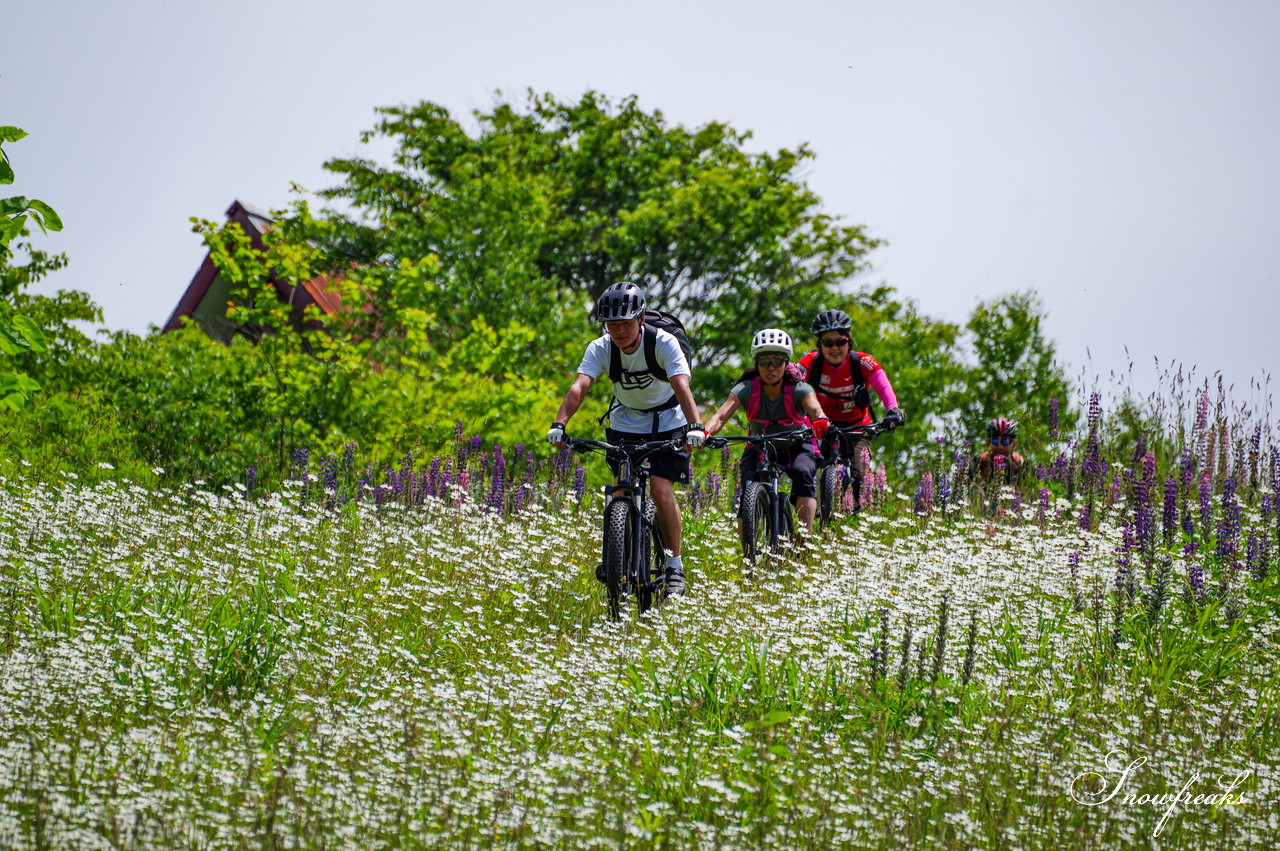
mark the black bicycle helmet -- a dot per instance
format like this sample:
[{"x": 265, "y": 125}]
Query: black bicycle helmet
[
  {"x": 1002, "y": 427},
  {"x": 831, "y": 320},
  {"x": 623, "y": 300}
]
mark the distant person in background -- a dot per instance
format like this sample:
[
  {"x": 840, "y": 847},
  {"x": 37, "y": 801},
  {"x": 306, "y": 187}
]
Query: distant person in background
[{"x": 1000, "y": 459}]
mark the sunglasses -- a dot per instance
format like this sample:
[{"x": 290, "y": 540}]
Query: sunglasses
[
  {"x": 835, "y": 342},
  {"x": 770, "y": 363},
  {"x": 1002, "y": 441}
]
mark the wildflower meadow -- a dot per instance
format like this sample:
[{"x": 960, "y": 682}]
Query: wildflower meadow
[{"x": 417, "y": 654}]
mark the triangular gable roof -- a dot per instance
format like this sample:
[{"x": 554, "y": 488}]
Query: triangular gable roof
[{"x": 204, "y": 300}]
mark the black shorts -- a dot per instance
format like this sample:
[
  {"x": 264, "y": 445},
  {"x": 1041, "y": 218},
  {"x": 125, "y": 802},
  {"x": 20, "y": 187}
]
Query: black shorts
[
  {"x": 669, "y": 464},
  {"x": 798, "y": 460}
]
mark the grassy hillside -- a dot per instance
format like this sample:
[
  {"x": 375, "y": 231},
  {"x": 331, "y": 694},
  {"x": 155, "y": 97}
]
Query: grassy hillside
[{"x": 402, "y": 661}]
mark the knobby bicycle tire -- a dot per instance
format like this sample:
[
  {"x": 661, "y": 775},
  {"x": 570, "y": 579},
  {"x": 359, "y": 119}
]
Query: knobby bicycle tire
[
  {"x": 648, "y": 551},
  {"x": 617, "y": 534},
  {"x": 754, "y": 513},
  {"x": 786, "y": 522},
  {"x": 830, "y": 492}
]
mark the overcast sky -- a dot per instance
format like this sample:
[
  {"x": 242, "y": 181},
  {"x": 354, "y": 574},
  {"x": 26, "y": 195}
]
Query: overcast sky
[{"x": 1119, "y": 158}]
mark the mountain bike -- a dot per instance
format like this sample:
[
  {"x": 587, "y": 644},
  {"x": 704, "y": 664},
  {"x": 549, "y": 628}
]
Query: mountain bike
[
  {"x": 633, "y": 553},
  {"x": 839, "y": 473},
  {"x": 765, "y": 513}
]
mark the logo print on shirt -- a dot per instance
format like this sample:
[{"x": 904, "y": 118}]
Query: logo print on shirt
[{"x": 636, "y": 380}]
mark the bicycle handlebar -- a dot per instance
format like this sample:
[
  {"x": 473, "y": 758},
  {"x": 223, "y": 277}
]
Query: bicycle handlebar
[
  {"x": 756, "y": 439},
  {"x": 637, "y": 450},
  {"x": 864, "y": 430}
]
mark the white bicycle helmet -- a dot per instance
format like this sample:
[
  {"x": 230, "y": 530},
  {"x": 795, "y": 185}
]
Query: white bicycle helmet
[{"x": 771, "y": 340}]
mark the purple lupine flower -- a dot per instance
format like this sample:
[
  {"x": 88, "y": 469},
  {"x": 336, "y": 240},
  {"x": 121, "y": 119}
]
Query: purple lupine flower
[
  {"x": 924, "y": 493},
  {"x": 349, "y": 456},
  {"x": 1042, "y": 511},
  {"x": 1259, "y": 557},
  {"x": 1187, "y": 472},
  {"x": 330, "y": 468},
  {"x": 1086, "y": 520},
  {"x": 696, "y": 497},
  {"x": 561, "y": 464},
  {"x": 250, "y": 478},
  {"x": 1170, "y": 516},
  {"x": 497, "y": 483},
  {"x": 1195, "y": 575},
  {"x": 1251, "y": 555},
  {"x": 300, "y": 463},
  {"x": 1206, "y": 505},
  {"x": 1015, "y": 504},
  {"x": 1202, "y": 412},
  {"x": 579, "y": 481},
  {"x": 1117, "y": 486},
  {"x": 433, "y": 478},
  {"x": 1228, "y": 522},
  {"x": 944, "y": 489},
  {"x": 1053, "y": 418}
]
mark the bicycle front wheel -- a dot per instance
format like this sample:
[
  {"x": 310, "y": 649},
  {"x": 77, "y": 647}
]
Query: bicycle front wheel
[
  {"x": 829, "y": 491},
  {"x": 786, "y": 525},
  {"x": 754, "y": 513},
  {"x": 617, "y": 552}
]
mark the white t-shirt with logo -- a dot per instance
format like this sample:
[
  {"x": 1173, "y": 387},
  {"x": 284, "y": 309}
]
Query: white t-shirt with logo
[{"x": 640, "y": 391}]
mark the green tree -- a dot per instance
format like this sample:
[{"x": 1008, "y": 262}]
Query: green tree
[
  {"x": 18, "y": 332},
  {"x": 540, "y": 208},
  {"x": 1016, "y": 373}
]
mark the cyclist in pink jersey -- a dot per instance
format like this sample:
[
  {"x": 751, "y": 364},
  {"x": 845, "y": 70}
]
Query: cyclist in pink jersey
[{"x": 843, "y": 378}]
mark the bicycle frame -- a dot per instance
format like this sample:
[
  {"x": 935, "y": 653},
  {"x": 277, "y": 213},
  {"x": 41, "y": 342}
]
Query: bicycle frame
[
  {"x": 767, "y": 473},
  {"x": 631, "y": 490},
  {"x": 845, "y": 438}
]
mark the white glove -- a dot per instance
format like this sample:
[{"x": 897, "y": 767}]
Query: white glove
[
  {"x": 555, "y": 434},
  {"x": 696, "y": 436}
]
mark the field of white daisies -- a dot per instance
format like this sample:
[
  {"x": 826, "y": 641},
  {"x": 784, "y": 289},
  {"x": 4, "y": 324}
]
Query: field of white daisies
[{"x": 1086, "y": 661}]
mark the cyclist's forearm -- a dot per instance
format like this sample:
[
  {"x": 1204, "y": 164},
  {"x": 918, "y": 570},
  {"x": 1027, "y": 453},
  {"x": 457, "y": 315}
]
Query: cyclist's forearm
[
  {"x": 573, "y": 399},
  {"x": 680, "y": 384},
  {"x": 720, "y": 417}
]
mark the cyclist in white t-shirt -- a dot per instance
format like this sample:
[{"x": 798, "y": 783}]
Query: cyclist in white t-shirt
[{"x": 652, "y": 401}]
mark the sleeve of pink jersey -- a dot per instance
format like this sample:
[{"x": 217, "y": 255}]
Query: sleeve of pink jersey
[{"x": 880, "y": 383}]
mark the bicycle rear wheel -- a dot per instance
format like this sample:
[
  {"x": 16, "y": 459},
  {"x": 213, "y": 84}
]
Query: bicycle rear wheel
[
  {"x": 647, "y": 556},
  {"x": 617, "y": 552},
  {"x": 754, "y": 513}
]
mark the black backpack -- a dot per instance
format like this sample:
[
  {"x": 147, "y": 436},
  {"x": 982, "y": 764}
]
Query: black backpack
[
  {"x": 860, "y": 395},
  {"x": 663, "y": 321}
]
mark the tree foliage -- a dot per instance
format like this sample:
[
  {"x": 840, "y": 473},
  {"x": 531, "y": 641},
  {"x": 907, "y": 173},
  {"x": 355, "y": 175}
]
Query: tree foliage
[
  {"x": 539, "y": 209},
  {"x": 18, "y": 332},
  {"x": 1015, "y": 371}
]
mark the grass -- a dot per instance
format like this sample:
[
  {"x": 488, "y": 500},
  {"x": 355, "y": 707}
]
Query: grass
[{"x": 190, "y": 669}]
